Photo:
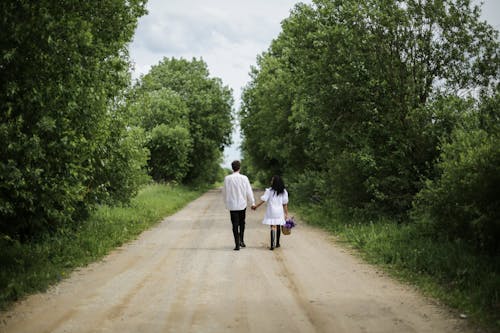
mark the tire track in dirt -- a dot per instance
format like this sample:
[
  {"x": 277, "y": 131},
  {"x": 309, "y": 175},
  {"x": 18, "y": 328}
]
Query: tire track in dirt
[{"x": 296, "y": 290}]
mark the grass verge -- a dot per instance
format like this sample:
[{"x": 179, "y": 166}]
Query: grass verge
[
  {"x": 449, "y": 271},
  {"x": 32, "y": 267}
]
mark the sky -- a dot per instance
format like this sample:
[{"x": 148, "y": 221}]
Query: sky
[{"x": 227, "y": 34}]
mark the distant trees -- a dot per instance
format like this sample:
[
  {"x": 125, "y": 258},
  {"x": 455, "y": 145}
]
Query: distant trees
[
  {"x": 164, "y": 117},
  {"x": 188, "y": 116},
  {"x": 358, "y": 103}
]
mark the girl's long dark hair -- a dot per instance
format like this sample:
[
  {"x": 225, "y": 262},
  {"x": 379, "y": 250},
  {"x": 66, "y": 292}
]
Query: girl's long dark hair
[{"x": 278, "y": 185}]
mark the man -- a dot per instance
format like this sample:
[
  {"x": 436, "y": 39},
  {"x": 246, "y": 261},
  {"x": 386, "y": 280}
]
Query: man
[{"x": 237, "y": 192}]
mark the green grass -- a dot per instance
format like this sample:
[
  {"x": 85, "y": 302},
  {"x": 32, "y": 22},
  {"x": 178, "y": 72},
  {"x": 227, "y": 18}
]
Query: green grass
[
  {"x": 31, "y": 267},
  {"x": 449, "y": 271}
]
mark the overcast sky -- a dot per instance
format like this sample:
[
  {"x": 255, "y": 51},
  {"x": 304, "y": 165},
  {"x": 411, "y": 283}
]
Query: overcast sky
[{"x": 226, "y": 34}]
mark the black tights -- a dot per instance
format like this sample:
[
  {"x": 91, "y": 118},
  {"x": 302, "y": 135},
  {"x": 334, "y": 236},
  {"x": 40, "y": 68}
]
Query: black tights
[{"x": 278, "y": 234}]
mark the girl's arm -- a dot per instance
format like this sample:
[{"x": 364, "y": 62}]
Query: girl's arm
[
  {"x": 285, "y": 208},
  {"x": 258, "y": 205}
]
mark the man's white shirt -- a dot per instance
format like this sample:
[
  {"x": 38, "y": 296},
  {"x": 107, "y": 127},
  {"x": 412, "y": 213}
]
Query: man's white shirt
[{"x": 237, "y": 191}]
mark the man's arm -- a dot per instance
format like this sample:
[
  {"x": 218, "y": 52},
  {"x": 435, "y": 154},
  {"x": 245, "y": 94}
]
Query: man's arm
[
  {"x": 250, "y": 194},
  {"x": 224, "y": 191}
]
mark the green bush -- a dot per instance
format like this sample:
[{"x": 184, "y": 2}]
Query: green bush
[
  {"x": 465, "y": 201},
  {"x": 170, "y": 148},
  {"x": 123, "y": 164}
]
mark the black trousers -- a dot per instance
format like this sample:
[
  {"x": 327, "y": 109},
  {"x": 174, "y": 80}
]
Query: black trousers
[{"x": 238, "y": 221}]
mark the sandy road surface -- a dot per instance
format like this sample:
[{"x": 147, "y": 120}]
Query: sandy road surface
[{"x": 183, "y": 276}]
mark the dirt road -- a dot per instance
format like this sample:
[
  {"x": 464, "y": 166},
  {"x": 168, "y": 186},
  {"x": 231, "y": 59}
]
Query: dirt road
[{"x": 183, "y": 276}]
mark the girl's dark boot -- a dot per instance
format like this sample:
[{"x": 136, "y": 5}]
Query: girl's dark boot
[
  {"x": 273, "y": 232},
  {"x": 278, "y": 234}
]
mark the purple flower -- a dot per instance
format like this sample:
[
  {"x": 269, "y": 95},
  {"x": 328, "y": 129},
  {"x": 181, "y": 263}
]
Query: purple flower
[{"x": 290, "y": 223}]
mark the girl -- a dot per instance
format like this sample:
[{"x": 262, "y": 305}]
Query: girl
[{"x": 277, "y": 208}]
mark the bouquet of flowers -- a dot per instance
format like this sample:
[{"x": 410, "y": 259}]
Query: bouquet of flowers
[{"x": 287, "y": 227}]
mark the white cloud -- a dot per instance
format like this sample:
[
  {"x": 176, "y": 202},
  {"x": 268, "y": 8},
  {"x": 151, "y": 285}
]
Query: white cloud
[{"x": 227, "y": 34}]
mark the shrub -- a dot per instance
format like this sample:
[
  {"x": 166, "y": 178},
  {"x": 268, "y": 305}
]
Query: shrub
[
  {"x": 465, "y": 201},
  {"x": 170, "y": 148}
]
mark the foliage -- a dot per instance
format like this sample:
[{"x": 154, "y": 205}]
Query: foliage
[
  {"x": 180, "y": 93},
  {"x": 123, "y": 158},
  {"x": 170, "y": 148},
  {"x": 31, "y": 267},
  {"x": 464, "y": 202},
  {"x": 63, "y": 67},
  {"x": 368, "y": 107},
  {"x": 361, "y": 95},
  {"x": 165, "y": 117},
  {"x": 162, "y": 106}
]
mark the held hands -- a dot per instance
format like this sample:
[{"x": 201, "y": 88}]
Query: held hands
[{"x": 254, "y": 207}]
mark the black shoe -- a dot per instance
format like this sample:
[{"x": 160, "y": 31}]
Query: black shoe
[
  {"x": 242, "y": 244},
  {"x": 236, "y": 240},
  {"x": 277, "y": 245}
]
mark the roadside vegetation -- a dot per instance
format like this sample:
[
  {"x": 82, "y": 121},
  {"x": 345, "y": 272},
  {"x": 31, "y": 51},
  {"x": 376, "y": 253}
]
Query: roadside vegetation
[{"x": 384, "y": 119}]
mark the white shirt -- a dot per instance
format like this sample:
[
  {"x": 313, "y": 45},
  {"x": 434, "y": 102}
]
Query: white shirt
[{"x": 237, "y": 191}]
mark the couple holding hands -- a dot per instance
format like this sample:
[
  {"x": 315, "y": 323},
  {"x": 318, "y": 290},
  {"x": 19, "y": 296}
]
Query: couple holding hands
[{"x": 237, "y": 192}]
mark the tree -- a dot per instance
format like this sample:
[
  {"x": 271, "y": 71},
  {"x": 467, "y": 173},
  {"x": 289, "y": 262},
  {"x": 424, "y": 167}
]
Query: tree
[
  {"x": 62, "y": 64},
  {"x": 264, "y": 113},
  {"x": 362, "y": 76},
  {"x": 164, "y": 116},
  {"x": 209, "y": 111}
]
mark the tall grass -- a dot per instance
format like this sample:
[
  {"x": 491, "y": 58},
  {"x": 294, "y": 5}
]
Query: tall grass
[
  {"x": 31, "y": 267},
  {"x": 450, "y": 271}
]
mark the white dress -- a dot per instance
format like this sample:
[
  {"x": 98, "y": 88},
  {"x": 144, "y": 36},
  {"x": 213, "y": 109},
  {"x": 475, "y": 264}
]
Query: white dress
[{"x": 275, "y": 214}]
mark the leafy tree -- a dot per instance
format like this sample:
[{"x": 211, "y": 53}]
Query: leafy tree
[
  {"x": 165, "y": 117},
  {"x": 162, "y": 106},
  {"x": 265, "y": 111},
  {"x": 62, "y": 66},
  {"x": 120, "y": 161},
  {"x": 209, "y": 111},
  {"x": 362, "y": 78}
]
